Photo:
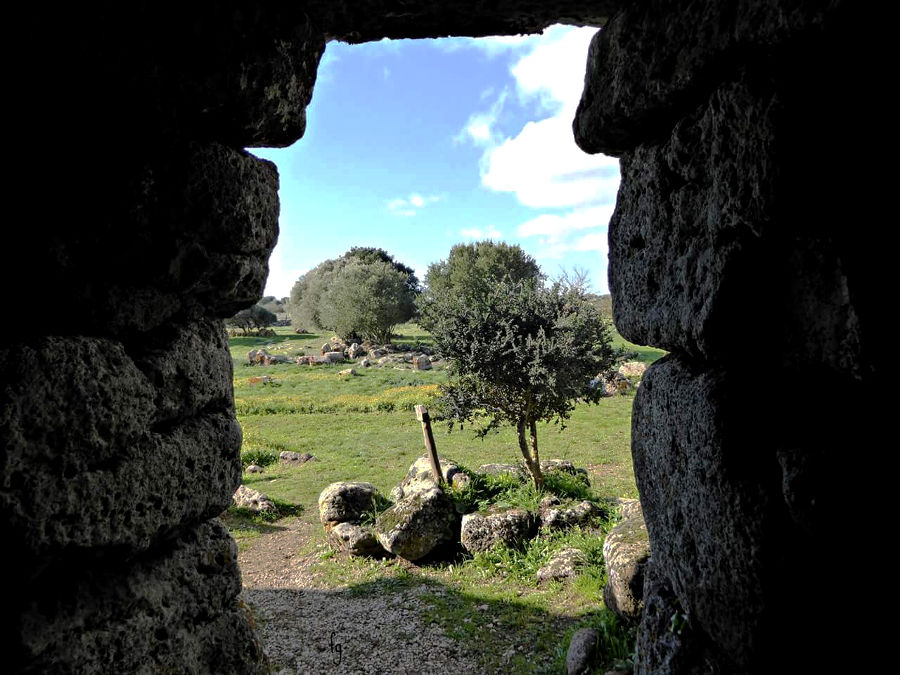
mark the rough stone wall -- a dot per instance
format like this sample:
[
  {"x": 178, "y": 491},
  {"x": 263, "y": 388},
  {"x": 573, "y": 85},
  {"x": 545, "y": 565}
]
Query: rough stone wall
[
  {"x": 118, "y": 437},
  {"x": 142, "y": 222},
  {"x": 737, "y": 244}
]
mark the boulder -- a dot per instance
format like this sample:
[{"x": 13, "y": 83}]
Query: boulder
[
  {"x": 355, "y": 351},
  {"x": 355, "y": 539},
  {"x": 632, "y": 369},
  {"x": 347, "y": 372},
  {"x": 563, "y": 565},
  {"x": 421, "y": 362},
  {"x": 333, "y": 357},
  {"x": 419, "y": 477},
  {"x": 248, "y": 498},
  {"x": 559, "y": 517},
  {"x": 254, "y": 468},
  {"x": 294, "y": 457},
  {"x": 365, "y": 363},
  {"x": 583, "y": 651},
  {"x": 480, "y": 531},
  {"x": 515, "y": 470},
  {"x": 345, "y": 502},
  {"x": 626, "y": 552},
  {"x": 564, "y": 466},
  {"x": 417, "y": 524}
]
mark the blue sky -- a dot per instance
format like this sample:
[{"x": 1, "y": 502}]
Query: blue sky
[{"x": 416, "y": 145}]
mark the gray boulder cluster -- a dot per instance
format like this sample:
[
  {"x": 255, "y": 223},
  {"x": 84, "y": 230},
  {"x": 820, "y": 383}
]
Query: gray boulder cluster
[
  {"x": 418, "y": 357},
  {"x": 421, "y": 517}
]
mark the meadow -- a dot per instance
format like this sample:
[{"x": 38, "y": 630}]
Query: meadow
[{"x": 363, "y": 428}]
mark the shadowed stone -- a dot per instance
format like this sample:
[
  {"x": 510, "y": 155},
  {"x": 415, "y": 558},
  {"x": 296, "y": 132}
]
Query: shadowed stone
[
  {"x": 356, "y": 540},
  {"x": 563, "y": 565},
  {"x": 345, "y": 502},
  {"x": 582, "y": 651},
  {"x": 417, "y": 524},
  {"x": 176, "y": 610},
  {"x": 626, "y": 550},
  {"x": 480, "y": 531}
]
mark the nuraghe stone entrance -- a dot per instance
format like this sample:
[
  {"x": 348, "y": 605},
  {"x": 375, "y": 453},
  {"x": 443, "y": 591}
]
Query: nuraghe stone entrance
[{"x": 737, "y": 244}]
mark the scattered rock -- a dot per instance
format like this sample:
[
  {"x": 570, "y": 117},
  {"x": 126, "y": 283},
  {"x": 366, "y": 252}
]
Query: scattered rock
[
  {"x": 421, "y": 362},
  {"x": 515, "y": 470},
  {"x": 583, "y": 651},
  {"x": 480, "y": 531},
  {"x": 355, "y": 351},
  {"x": 248, "y": 498},
  {"x": 632, "y": 369},
  {"x": 264, "y": 379},
  {"x": 419, "y": 477},
  {"x": 295, "y": 457},
  {"x": 345, "y": 502},
  {"x": 560, "y": 517},
  {"x": 626, "y": 552},
  {"x": 629, "y": 508},
  {"x": 347, "y": 371},
  {"x": 549, "y": 502},
  {"x": 333, "y": 357},
  {"x": 365, "y": 363},
  {"x": 355, "y": 539},
  {"x": 417, "y": 524},
  {"x": 254, "y": 468},
  {"x": 563, "y": 565}
]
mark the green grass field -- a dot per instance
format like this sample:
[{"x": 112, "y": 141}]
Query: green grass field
[{"x": 363, "y": 428}]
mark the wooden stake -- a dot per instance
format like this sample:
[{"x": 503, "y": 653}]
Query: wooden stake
[{"x": 422, "y": 416}]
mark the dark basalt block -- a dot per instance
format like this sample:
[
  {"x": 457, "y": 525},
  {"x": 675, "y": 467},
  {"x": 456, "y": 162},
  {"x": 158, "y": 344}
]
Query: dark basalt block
[{"x": 175, "y": 609}]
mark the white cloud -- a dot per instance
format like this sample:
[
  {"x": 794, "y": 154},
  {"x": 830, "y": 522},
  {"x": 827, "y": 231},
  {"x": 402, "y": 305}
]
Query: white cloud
[
  {"x": 281, "y": 278},
  {"x": 477, "y": 234},
  {"x": 492, "y": 45},
  {"x": 540, "y": 163},
  {"x": 481, "y": 127},
  {"x": 411, "y": 205},
  {"x": 555, "y": 225}
]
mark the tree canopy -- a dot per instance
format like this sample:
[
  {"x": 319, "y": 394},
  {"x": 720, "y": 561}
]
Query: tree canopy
[
  {"x": 365, "y": 293},
  {"x": 256, "y": 316},
  {"x": 467, "y": 275},
  {"x": 521, "y": 351}
]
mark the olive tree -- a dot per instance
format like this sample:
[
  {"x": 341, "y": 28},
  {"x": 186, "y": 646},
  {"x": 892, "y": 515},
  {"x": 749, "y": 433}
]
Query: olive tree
[
  {"x": 467, "y": 274},
  {"x": 365, "y": 293},
  {"x": 523, "y": 353},
  {"x": 256, "y": 316}
]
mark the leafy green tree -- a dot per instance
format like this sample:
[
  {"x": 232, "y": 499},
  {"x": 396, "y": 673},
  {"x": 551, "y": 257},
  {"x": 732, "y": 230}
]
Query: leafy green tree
[
  {"x": 468, "y": 274},
  {"x": 524, "y": 353},
  {"x": 365, "y": 293},
  {"x": 250, "y": 318}
]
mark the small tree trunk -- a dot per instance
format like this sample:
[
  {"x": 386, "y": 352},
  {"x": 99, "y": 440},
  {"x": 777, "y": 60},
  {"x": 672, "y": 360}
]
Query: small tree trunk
[
  {"x": 533, "y": 468},
  {"x": 536, "y": 472}
]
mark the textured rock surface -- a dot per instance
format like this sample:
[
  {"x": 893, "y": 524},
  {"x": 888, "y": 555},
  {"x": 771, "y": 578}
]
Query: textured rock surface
[
  {"x": 582, "y": 651},
  {"x": 667, "y": 643},
  {"x": 718, "y": 114},
  {"x": 563, "y": 565},
  {"x": 480, "y": 531},
  {"x": 419, "y": 477},
  {"x": 560, "y": 517},
  {"x": 248, "y": 498},
  {"x": 176, "y": 610},
  {"x": 355, "y": 539},
  {"x": 417, "y": 524},
  {"x": 345, "y": 502},
  {"x": 733, "y": 121},
  {"x": 626, "y": 550}
]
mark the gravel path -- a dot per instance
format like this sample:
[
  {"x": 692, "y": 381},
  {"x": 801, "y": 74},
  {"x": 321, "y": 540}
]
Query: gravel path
[{"x": 308, "y": 630}]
